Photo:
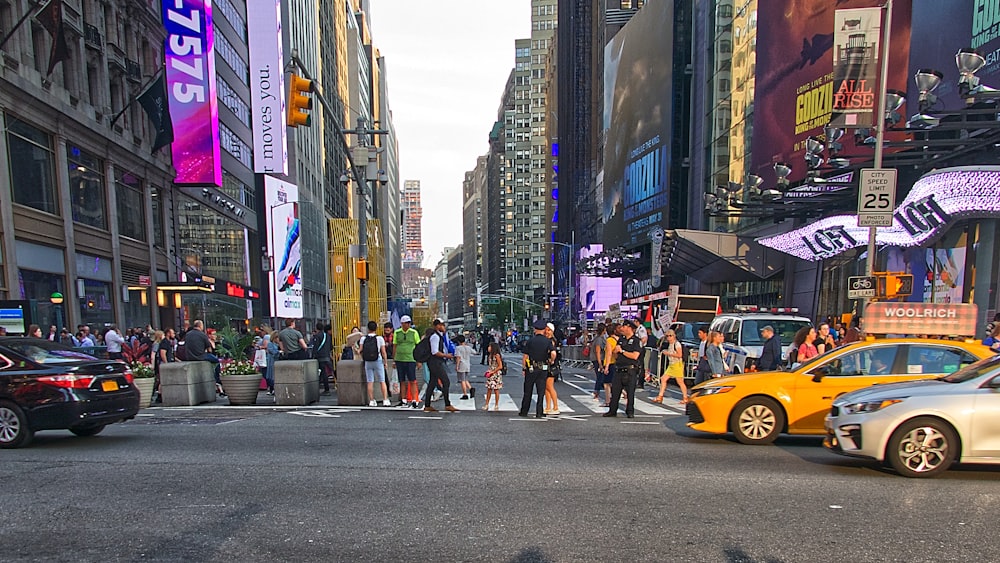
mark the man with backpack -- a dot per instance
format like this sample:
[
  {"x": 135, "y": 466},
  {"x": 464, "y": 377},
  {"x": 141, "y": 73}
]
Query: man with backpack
[
  {"x": 435, "y": 361},
  {"x": 374, "y": 356}
]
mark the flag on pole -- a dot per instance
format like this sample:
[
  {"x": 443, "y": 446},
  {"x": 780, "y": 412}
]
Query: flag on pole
[
  {"x": 154, "y": 101},
  {"x": 51, "y": 19}
]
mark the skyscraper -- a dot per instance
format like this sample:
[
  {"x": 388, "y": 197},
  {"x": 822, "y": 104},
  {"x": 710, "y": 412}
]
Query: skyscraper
[{"x": 413, "y": 248}]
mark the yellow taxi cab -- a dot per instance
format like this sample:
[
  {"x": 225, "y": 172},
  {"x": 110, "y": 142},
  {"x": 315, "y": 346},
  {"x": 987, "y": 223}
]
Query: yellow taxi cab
[{"x": 758, "y": 406}]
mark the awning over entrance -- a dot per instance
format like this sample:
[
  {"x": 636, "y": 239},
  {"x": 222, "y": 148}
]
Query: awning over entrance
[{"x": 719, "y": 257}]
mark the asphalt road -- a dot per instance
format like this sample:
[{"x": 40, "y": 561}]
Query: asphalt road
[{"x": 334, "y": 484}]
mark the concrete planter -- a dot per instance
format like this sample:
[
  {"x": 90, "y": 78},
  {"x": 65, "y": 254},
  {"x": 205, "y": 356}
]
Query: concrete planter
[
  {"x": 241, "y": 389},
  {"x": 145, "y": 386}
]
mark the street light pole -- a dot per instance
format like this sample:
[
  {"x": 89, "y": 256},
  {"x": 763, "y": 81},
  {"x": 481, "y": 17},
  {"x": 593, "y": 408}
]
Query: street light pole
[
  {"x": 880, "y": 121},
  {"x": 362, "y": 180}
]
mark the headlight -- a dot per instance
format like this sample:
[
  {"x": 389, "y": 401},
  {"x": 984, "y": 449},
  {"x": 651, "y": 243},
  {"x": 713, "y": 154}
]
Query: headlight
[
  {"x": 715, "y": 390},
  {"x": 870, "y": 406}
]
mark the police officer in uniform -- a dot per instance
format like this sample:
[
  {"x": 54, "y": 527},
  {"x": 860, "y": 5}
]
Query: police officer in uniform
[
  {"x": 627, "y": 370},
  {"x": 539, "y": 354}
]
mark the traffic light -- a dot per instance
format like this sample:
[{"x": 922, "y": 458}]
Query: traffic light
[
  {"x": 547, "y": 304},
  {"x": 901, "y": 285},
  {"x": 895, "y": 285},
  {"x": 361, "y": 269},
  {"x": 472, "y": 303},
  {"x": 299, "y": 102}
]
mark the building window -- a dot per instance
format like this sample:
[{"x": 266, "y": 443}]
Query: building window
[
  {"x": 157, "y": 199},
  {"x": 86, "y": 187},
  {"x": 231, "y": 100},
  {"x": 131, "y": 208},
  {"x": 32, "y": 177}
]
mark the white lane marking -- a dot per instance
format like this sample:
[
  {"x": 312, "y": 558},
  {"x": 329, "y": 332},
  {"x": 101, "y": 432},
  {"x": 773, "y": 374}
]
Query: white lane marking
[
  {"x": 320, "y": 414},
  {"x": 426, "y": 417},
  {"x": 589, "y": 402},
  {"x": 507, "y": 404},
  {"x": 230, "y": 421},
  {"x": 571, "y": 384},
  {"x": 635, "y": 422}
]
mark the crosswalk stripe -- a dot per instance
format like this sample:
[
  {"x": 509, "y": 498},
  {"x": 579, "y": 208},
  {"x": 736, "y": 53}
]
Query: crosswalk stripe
[{"x": 589, "y": 402}]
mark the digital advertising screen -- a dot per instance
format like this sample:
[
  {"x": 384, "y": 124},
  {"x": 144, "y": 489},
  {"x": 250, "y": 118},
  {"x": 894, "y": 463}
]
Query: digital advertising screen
[
  {"x": 284, "y": 246},
  {"x": 637, "y": 122},
  {"x": 189, "y": 58},
  {"x": 267, "y": 87},
  {"x": 817, "y": 63}
]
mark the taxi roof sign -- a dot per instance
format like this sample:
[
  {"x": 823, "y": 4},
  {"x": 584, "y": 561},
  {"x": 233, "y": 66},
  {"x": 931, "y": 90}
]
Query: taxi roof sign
[{"x": 938, "y": 319}]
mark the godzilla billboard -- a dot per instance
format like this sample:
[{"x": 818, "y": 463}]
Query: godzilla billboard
[{"x": 637, "y": 121}]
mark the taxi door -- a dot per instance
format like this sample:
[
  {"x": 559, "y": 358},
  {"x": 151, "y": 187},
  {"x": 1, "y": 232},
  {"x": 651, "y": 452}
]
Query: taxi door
[{"x": 818, "y": 384}]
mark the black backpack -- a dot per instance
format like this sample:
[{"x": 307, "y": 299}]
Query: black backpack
[
  {"x": 369, "y": 349},
  {"x": 180, "y": 353},
  {"x": 422, "y": 351}
]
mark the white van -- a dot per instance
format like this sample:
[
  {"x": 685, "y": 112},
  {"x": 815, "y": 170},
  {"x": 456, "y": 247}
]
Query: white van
[{"x": 743, "y": 341}]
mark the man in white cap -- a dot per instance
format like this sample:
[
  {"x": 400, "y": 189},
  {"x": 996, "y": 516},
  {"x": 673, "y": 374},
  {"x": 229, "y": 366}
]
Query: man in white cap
[{"x": 405, "y": 340}]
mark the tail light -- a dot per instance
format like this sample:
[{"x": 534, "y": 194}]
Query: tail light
[
  {"x": 128, "y": 375},
  {"x": 68, "y": 381}
]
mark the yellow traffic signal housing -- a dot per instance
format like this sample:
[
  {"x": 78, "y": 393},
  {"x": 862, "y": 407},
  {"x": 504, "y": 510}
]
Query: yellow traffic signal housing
[
  {"x": 895, "y": 285},
  {"x": 361, "y": 269},
  {"x": 901, "y": 284},
  {"x": 299, "y": 102}
]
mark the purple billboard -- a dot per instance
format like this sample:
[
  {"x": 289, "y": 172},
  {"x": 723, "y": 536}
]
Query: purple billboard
[
  {"x": 597, "y": 294},
  {"x": 816, "y": 63},
  {"x": 189, "y": 58}
]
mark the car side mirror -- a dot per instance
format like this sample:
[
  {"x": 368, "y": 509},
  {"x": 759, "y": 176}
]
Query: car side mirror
[{"x": 819, "y": 373}]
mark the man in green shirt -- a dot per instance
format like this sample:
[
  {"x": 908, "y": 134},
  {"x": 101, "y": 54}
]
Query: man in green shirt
[{"x": 405, "y": 340}]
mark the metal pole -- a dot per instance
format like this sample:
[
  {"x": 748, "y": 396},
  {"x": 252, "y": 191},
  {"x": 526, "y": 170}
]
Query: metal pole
[{"x": 883, "y": 85}]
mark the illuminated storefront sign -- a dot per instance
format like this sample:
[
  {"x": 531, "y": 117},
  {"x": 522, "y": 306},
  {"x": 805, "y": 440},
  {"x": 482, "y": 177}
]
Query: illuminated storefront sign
[
  {"x": 951, "y": 319},
  {"x": 267, "y": 87},
  {"x": 190, "y": 71},
  {"x": 936, "y": 201}
]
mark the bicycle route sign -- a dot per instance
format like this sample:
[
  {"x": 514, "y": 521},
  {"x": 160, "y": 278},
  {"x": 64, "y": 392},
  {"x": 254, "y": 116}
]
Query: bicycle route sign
[{"x": 861, "y": 286}]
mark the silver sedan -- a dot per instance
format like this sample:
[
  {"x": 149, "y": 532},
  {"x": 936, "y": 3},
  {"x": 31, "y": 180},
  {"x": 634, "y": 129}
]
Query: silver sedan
[{"x": 922, "y": 427}]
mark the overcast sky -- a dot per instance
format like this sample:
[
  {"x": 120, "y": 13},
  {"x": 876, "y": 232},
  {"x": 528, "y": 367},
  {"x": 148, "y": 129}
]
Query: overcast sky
[{"x": 447, "y": 65}]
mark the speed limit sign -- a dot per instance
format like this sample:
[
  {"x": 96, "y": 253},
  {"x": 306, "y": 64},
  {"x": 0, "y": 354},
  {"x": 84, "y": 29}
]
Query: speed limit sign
[{"x": 876, "y": 197}]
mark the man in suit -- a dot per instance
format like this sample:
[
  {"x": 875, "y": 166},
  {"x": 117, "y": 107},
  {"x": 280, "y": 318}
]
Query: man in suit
[{"x": 770, "y": 357}]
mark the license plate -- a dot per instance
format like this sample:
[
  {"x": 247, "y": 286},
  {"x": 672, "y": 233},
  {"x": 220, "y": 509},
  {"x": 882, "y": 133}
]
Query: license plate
[{"x": 110, "y": 385}]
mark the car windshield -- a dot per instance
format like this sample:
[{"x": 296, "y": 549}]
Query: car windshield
[
  {"x": 45, "y": 352},
  {"x": 982, "y": 367},
  {"x": 689, "y": 331},
  {"x": 785, "y": 329}
]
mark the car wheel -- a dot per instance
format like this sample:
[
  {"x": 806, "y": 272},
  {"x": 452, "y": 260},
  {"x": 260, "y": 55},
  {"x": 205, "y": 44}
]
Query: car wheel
[
  {"x": 14, "y": 429},
  {"x": 922, "y": 447},
  {"x": 757, "y": 421},
  {"x": 87, "y": 430}
]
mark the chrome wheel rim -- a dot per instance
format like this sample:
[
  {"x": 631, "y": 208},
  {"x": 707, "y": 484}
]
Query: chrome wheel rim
[
  {"x": 923, "y": 449},
  {"x": 10, "y": 425},
  {"x": 757, "y": 422}
]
